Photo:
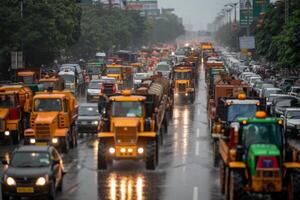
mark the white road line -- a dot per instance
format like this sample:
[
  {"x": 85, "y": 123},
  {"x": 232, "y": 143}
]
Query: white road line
[
  {"x": 198, "y": 133},
  {"x": 197, "y": 148},
  {"x": 195, "y": 193}
]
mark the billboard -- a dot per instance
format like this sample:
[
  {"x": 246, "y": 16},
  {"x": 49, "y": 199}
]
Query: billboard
[
  {"x": 142, "y": 5},
  {"x": 247, "y": 42},
  {"x": 259, "y": 6},
  {"x": 246, "y": 13}
]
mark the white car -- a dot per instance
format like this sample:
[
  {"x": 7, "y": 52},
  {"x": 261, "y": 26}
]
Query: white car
[{"x": 291, "y": 118}]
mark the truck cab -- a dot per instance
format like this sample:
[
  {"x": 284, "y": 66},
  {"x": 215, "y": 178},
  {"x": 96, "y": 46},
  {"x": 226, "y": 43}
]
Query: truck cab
[
  {"x": 184, "y": 82},
  {"x": 115, "y": 71},
  {"x": 55, "y": 82},
  {"x": 53, "y": 120}
]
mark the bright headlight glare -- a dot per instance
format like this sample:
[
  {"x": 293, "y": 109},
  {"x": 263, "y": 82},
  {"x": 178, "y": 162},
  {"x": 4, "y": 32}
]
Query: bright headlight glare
[
  {"x": 140, "y": 150},
  {"x": 112, "y": 150},
  {"x": 6, "y": 133},
  {"x": 32, "y": 140},
  {"x": 95, "y": 122},
  {"x": 41, "y": 181},
  {"x": 54, "y": 140},
  {"x": 10, "y": 181},
  {"x": 123, "y": 150}
]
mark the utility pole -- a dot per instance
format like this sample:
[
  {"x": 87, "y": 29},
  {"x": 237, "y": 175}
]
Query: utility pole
[{"x": 248, "y": 5}]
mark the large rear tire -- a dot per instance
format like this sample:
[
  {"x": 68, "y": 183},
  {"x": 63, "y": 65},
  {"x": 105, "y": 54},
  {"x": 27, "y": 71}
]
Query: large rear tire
[
  {"x": 102, "y": 163},
  {"x": 293, "y": 192},
  {"x": 151, "y": 153},
  {"x": 236, "y": 190}
]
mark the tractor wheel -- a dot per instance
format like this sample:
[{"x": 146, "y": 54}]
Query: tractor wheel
[
  {"x": 102, "y": 164},
  {"x": 65, "y": 145},
  {"x": 236, "y": 190},
  {"x": 222, "y": 176},
  {"x": 216, "y": 156},
  {"x": 151, "y": 152},
  {"x": 293, "y": 191}
]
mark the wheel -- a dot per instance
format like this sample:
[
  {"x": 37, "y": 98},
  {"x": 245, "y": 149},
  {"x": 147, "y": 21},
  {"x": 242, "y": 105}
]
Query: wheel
[
  {"x": 102, "y": 164},
  {"x": 216, "y": 156},
  {"x": 61, "y": 183},
  {"x": 293, "y": 191},
  {"x": 65, "y": 145},
  {"x": 51, "y": 195},
  {"x": 222, "y": 176},
  {"x": 165, "y": 122},
  {"x": 161, "y": 135},
  {"x": 5, "y": 196},
  {"x": 151, "y": 152},
  {"x": 15, "y": 135},
  {"x": 236, "y": 190}
]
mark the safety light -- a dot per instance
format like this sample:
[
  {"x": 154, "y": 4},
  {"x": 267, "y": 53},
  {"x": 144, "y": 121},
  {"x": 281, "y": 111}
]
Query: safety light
[
  {"x": 258, "y": 103},
  {"x": 10, "y": 181},
  {"x": 176, "y": 94},
  {"x": 140, "y": 150},
  {"x": 242, "y": 96},
  {"x": 54, "y": 140},
  {"x": 41, "y": 181},
  {"x": 280, "y": 122},
  {"x": 95, "y": 122},
  {"x": 32, "y": 141},
  {"x": 244, "y": 122},
  {"x": 112, "y": 150},
  {"x": 261, "y": 114},
  {"x": 123, "y": 150},
  {"x": 186, "y": 94},
  {"x": 6, "y": 133},
  {"x": 130, "y": 150}
]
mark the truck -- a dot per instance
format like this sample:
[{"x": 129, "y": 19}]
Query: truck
[
  {"x": 53, "y": 120},
  {"x": 184, "y": 82},
  {"x": 29, "y": 77},
  {"x": 55, "y": 82},
  {"x": 256, "y": 159},
  {"x": 132, "y": 125},
  {"x": 15, "y": 108}
]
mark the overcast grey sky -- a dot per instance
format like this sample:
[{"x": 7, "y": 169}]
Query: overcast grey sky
[{"x": 195, "y": 12}]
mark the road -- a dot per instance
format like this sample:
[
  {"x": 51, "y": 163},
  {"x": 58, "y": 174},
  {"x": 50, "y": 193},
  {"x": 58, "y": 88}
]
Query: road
[{"x": 185, "y": 170}]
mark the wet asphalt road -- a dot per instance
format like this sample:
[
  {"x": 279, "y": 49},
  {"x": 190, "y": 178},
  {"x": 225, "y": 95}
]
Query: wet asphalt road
[{"x": 185, "y": 169}]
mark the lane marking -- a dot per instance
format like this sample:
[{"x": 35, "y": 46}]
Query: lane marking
[
  {"x": 197, "y": 148},
  {"x": 198, "y": 133},
  {"x": 195, "y": 193}
]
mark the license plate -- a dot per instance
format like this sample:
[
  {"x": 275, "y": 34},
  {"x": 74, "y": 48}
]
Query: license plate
[
  {"x": 25, "y": 190},
  {"x": 41, "y": 144}
]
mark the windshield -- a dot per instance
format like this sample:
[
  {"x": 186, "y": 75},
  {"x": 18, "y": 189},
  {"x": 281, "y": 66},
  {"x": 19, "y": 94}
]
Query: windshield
[
  {"x": 293, "y": 114},
  {"x": 47, "y": 85},
  {"x": 27, "y": 79},
  {"x": 127, "y": 109},
  {"x": 296, "y": 90},
  {"x": 241, "y": 110},
  {"x": 44, "y": 105},
  {"x": 30, "y": 159},
  {"x": 140, "y": 76},
  {"x": 113, "y": 70},
  {"x": 268, "y": 92},
  {"x": 68, "y": 78},
  {"x": 7, "y": 101},
  {"x": 183, "y": 75},
  {"x": 163, "y": 68},
  {"x": 94, "y": 85},
  {"x": 253, "y": 80},
  {"x": 88, "y": 110},
  {"x": 262, "y": 133}
]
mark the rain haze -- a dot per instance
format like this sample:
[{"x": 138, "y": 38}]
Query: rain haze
[{"x": 196, "y": 14}]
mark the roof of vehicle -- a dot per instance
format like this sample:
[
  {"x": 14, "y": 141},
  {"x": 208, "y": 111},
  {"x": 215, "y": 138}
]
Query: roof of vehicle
[
  {"x": 127, "y": 98},
  {"x": 260, "y": 120},
  {"x": 279, "y": 95},
  {"x": 292, "y": 109},
  {"x": 272, "y": 88},
  {"x": 30, "y": 148},
  {"x": 88, "y": 105}
]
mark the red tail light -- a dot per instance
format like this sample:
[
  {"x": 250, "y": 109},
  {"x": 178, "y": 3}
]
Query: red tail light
[
  {"x": 233, "y": 137},
  {"x": 14, "y": 113}
]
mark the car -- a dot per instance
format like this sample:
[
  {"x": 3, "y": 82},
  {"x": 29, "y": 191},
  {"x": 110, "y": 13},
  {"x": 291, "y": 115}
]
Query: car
[
  {"x": 164, "y": 68},
  {"x": 291, "y": 119},
  {"x": 270, "y": 90},
  {"x": 243, "y": 75},
  {"x": 138, "y": 77},
  {"x": 294, "y": 91},
  {"x": 271, "y": 97},
  {"x": 33, "y": 171},
  {"x": 254, "y": 79},
  {"x": 280, "y": 104},
  {"x": 262, "y": 86},
  {"x": 93, "y": 90},
  {"x": 109, "y": 85},
  {"x": 88, "y": 118}
]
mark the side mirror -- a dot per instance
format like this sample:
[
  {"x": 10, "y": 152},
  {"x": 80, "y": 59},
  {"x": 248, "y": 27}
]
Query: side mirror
[{"x": 4, "y": 162}]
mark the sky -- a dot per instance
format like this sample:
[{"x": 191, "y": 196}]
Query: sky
[{"x": 196, "y": 14}]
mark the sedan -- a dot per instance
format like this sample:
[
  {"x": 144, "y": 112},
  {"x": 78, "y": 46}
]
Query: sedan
[
  {"x": 34, "y": 171},
  {"x": 88, "y": 118}
]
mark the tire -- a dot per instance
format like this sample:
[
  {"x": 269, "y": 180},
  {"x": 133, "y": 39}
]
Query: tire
[
  {"x": 151, "y": 155},
  {"x": 222, "y": 176},
  {"x": 293, "y": 191},
  {"x": 15, "y": 137},
  {"x": 5, "y": 196},
  {"x": 166, "y": 125},
  {"x": 65, "y": 146},
  {"x": 216, "y": 156},
  {"x": 236, "y": 190},
  {"x": 102, "y": 164},
  {"x": 161, "y": 135}
]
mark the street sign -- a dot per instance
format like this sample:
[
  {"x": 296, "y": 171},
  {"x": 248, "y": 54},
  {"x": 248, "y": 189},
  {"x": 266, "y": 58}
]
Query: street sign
[
  {"x": 247, "y": 42},
  {"x": 17, "y": 60},
  {"x": 246, "y": 13},
  {"x": 259, "y": 6}
]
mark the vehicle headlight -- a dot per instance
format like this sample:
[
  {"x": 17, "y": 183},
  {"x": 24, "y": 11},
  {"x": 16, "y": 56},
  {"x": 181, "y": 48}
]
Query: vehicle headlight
[
  {"x": 32, "y": 140},
  {"x": 54, "y": 140},
  {"x": 10, "y": 181},
  {"x": 95, "y": 122},
  {"x": 41, "y": 181},
  {"x": 6, "y": 133}
]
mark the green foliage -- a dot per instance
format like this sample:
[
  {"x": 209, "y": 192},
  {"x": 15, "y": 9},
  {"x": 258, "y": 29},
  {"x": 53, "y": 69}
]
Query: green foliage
[{"x": 47, "y": 27}]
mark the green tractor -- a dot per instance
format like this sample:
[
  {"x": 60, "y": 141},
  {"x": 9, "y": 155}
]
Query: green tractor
[{"x": 256, "y": 160}]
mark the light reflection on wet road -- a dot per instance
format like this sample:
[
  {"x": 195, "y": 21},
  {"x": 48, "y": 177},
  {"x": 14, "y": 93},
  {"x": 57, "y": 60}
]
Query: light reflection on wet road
[{"x": 185, "y": 170}]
